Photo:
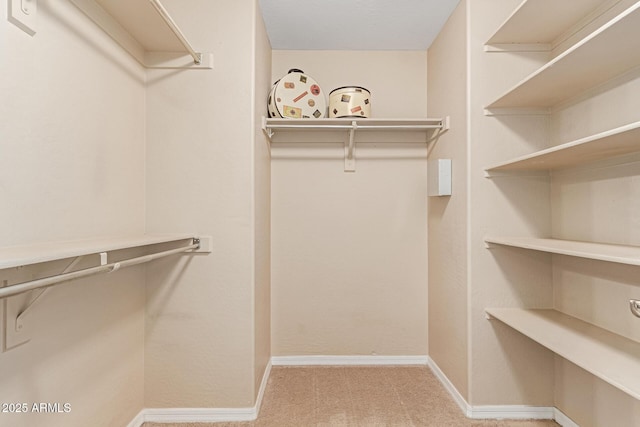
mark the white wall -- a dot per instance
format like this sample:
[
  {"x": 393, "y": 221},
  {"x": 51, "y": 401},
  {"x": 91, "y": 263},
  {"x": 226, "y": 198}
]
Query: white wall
[
  {"x": 262, "y": 202},
  {"x": 349, "y": 256},
  {"x": 506, "y": 368},
  {"x": 206, "y": 172},
  {"x": 447, "y": 221},
  {"x": 72, "y": 145}
]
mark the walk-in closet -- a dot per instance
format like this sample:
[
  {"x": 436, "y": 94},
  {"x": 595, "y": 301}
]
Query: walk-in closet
[{"x": 332, "y": 213}]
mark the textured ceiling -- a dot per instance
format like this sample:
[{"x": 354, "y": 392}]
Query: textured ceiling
[{"x": 354, "y": 24}]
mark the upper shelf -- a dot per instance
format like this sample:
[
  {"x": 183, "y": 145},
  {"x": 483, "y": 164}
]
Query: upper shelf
[
  {"x": 531, "y": 26},
  {"x": 615, "y": 142},
  {"x": 608, "y": 356},
  {"x": 427, "y": 129},
  {"x": 17, "y": 256},
  {"x": 428, "y": 126},
  {"x": 145, "y": 30},
  {"x": 607, "y": 52},
  {"x": 621, "y": 254}
]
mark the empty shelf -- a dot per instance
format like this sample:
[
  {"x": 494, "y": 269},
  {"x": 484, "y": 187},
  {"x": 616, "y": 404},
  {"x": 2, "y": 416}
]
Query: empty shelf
[
  {"x": 542, "y": 21},
  {"x": 139, "y": 27},
  {"x": 17, "y": 256},
  {"x": 616, "y": 142},
  {"x": 610, "y": 357},
  {"x": 621, "y": 254},
  {"x": 595, "y": 59}
]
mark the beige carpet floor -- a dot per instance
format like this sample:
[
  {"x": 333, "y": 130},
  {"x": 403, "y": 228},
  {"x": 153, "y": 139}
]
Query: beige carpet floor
[{"x": 358, "y": 397}]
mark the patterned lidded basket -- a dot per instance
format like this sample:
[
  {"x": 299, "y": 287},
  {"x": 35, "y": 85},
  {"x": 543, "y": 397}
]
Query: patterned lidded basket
[
  {"x": 350, "y": 101},
  {"x": 296, "y": 96}
]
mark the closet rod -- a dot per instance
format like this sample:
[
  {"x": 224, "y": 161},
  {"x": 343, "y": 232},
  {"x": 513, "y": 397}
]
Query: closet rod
[
  {"x": 197, "y": 57},
  {"x": 359, "y": 127},
  {"x": 20, "y": 288}
]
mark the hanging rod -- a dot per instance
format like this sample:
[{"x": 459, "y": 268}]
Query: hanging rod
[
  {"x": 108, "y": 268},
  {"x": 360, "y": 127},
  {"x": 197, "y": 57}
]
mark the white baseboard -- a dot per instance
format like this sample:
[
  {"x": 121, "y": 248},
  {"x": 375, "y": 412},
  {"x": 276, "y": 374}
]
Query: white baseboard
[
  {"x": 563, "y": 420},
  {"x": 348, "y": 360},
  {"x": 203, "y": 415},
  {"x": 448, "y": 385},
  {"x": 199, "y": 415},
  {"x": 138, "y": 420},
  {"x": 210, "y": 415},
  {"x": 263, "y": 387},
  {"x": 513, "y": 412}
]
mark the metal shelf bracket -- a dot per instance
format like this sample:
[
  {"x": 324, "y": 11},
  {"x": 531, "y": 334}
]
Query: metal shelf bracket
[
  {"x": 635, "y": 307},
  {"x": 350, "y": 149}
]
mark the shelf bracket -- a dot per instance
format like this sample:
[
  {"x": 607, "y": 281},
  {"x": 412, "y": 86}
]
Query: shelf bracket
[
  {"x": 15, "y": 312},
  {"x": 444, "y": 128},
  {"x": 350, "y": 149},
  {"x": 267, "y": 131},
  {"x": 19, "y": 321},
  {"x": 634, "y": 304}
]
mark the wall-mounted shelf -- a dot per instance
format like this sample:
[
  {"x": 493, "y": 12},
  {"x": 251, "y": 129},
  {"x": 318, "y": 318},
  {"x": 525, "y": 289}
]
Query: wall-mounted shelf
[
  {"x": 610, "y": 357},
  {"x": 621, "y": 254},
  {"x": 604, "y": 54},
  {"x": 145, "y": 30},
  {"x": 612, "y": 143},
  {"x": 429, "y": 129},
  {"x": 18, "y": 256},
  {"x": 17, "y": 309},
  {"x": 532, "y": 28}
]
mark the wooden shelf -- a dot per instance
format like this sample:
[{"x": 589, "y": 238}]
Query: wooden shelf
[
  {"x": 607, "y": 52},
  {"x": 17, "y": 256},
  {"x": 539, "y": 24},
  {"x": 139, "y": 29},
  {"x": 610, "y": 357},
  {"x": 612, "y": 143},
  {"x": 621, "y": 254}
]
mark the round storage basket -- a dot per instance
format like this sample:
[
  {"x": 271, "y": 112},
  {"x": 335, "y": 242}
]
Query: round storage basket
[
  {"x": 350, "y": 101},
  {"x": 296, "y": 96}
]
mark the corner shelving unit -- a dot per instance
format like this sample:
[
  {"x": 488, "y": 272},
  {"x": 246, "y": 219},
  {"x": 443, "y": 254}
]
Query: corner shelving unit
[
  {"x": 597, "y": 58},
  {"x": 608, "y": 356},
  {"x": 429, "y": 130},
  {"x": 607, "y": 52},
  {"x": 145, "y": 30}
]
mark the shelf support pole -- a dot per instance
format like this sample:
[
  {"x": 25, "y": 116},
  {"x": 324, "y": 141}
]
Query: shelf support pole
[{"x": 350, "y": 149}]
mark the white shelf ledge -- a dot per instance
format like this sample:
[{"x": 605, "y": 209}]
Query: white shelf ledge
[
  {"x": 17, "y": 256},
  {"x": 621, "y": 254},
  {"x": 404, "y": 130},
  {"x": 604, "y": 54},
  {"x": 538, "y": 25},
  {"x": 610, "y": 357},
  {"x": 347, "y": 124},
  {"x": 145, "y": 31},
  {"x": 612, "y": 143}
]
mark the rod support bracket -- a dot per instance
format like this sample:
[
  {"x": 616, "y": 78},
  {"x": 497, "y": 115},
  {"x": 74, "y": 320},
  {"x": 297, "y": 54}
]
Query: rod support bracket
[
  {"x": 634, "y": 304},
  {"x": 350, "y": 149}
]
